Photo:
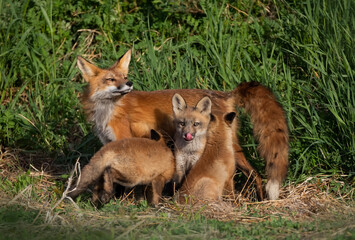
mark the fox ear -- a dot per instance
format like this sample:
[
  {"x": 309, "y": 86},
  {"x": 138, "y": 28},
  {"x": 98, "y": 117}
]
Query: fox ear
[
  {"x": 86, "y": 68},
  {"x": 179, "y": 103},
  {"x": 154, "y": 135},
  {"x": 204, "y": 105},
  {"x": 212, "y": 117},
  {"x": 229, "y": 117},
  {"x": 123, "y": 63}
]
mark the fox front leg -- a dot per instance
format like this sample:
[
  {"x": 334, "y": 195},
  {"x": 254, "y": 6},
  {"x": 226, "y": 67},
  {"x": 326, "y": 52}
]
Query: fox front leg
[
  {"x": 179, "y": 173},
  {"x": 107, "y": 191},
  {"x": 157, "y": 189},
  {"x": 97, "y": 190}
]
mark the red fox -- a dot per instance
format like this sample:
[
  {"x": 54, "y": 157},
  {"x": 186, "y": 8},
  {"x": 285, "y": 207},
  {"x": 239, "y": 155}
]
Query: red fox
[
  {"x": 119, "y": 115},
  {"x": 212, "y": 175},
  {"x": 203, "y": 143},
  {"x": 190, "y": 136},
  {"x": 128, "y": 162}
]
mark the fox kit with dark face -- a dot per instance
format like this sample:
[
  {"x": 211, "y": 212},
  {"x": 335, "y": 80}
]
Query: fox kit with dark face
[
  {"x": 128, "y": 162},
  {"x": 118, "y": 115},
  {"x": 203, "y": 144},
  {"x": 211, "y": 176},
  {"x": 191, "y": 129}
]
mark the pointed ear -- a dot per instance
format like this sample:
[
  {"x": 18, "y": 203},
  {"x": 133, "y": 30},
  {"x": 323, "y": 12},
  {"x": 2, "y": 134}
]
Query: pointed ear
[
  {"x": 204, "y": 105},
  {"x": 179, "y": 103},
  {"x": 86, "y": 68},
  {"x": 154, "y": 135},
  {"x": 229, "y": 117},
  {"x": 212, "y": 117},
  {"x": 123, "y": 63}
]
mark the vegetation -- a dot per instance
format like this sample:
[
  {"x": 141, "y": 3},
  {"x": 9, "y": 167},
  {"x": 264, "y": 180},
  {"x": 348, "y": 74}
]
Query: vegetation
[
  {"x": 302, "y": 50},
  {"x": 24, "y": 224}
]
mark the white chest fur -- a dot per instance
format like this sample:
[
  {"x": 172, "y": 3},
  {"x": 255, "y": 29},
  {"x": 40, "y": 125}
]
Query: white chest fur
[
  {"x": 103, "y": 112},
  {"x": 186, "y": 156}
]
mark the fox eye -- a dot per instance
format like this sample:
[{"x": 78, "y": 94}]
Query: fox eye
[
  {"x": 181, "y": 124},
  {"x": 110, "y": 79},
  {"x": 196, "y": 124}
]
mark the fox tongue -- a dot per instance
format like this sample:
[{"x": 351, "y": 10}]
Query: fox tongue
[{"x": 188, "y": 137}]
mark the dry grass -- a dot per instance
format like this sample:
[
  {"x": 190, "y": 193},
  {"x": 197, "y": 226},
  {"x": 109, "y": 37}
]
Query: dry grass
[
  {"x": 297, "y": 201},
  {"x": 313, "y": 197}
]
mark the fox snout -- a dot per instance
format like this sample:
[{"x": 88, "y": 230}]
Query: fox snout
[
  {"x": 129, "y": 84},
  {"x": 124, "y": 88}
]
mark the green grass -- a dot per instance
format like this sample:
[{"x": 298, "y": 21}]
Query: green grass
[
  {"x": 302, "y": 50},
  {"x": 30, "y": 207},
  {"x": 17, "y": 222}
]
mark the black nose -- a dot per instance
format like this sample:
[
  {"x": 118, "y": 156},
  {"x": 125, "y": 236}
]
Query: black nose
[{"x": 129, "y": 84}]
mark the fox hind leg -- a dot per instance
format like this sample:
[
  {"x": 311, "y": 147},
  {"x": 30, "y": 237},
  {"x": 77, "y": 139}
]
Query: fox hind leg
[
  {"x": 248, "y": 170},
  {"x": 207, "y": 188}
]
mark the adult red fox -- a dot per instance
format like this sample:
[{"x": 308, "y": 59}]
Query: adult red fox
[
  {"x": 119, "y": 115},
  {"x": 128, "y": 162}
]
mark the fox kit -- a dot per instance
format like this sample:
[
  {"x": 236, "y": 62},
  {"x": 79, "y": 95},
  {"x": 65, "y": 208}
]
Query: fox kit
[
  {"x": 129, "y": 162},
  {"x": 190, "y": 136},
  {"x": 212, "y": 175},
  {"x": 119, "y": 115}
]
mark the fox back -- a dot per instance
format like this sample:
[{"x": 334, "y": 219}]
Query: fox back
[
  {"x": 133, "y": 115},
  {"x": 190, "y": 137},
  {"x": 130, "y": 162}
]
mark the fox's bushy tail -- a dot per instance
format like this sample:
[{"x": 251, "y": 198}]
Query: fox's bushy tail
[
  {"x": 90, "y": 174},
  {"x": 270, "y": 129}
]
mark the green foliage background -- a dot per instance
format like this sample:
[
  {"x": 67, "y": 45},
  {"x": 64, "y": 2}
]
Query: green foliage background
[{"x": 302, "y": 50}]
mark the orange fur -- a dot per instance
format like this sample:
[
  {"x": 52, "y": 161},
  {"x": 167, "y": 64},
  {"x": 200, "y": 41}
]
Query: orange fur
[
  {"x": 135, "y": 113},
  {"x": 211, "y": 176},
  {"x": 129, "y": 162},
  {"x": 270, "y": 129},
  {"x": 190, "y": 138}
]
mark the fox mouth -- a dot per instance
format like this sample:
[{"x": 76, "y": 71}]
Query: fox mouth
[
  {"x": 122, "y": 91},
  {"x": 188, "y": 137}
]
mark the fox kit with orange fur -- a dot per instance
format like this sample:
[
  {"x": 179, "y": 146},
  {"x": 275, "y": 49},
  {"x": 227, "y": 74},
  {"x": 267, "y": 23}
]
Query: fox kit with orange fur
[
  {"x": 129, "y": 162},
  {"x": 203, "y": 143},
  {"x": 118, "y": 115},
  {"x": 190, "y": 136},
  {"x": 212, "y": 175}
]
